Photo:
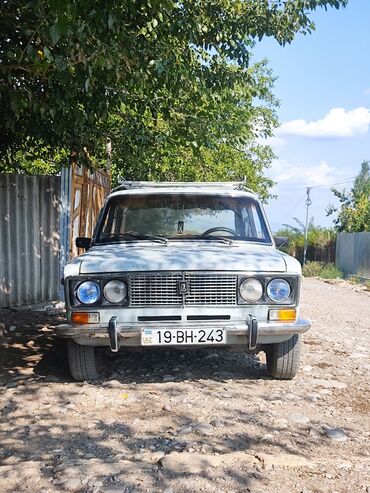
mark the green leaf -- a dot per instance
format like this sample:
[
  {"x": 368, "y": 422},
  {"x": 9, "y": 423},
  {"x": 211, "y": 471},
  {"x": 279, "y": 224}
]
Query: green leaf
[
  {"x": 47, "y": 54},
  {"x": 54, "y": 33},
  {"x": 110, "y": 21}
]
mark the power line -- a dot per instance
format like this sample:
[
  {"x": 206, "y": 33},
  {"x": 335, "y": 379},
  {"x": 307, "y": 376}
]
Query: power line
[{"x": 341, "y": 182}]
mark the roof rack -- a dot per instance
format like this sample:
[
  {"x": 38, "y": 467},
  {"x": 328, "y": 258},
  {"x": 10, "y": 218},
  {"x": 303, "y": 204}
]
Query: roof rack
[{"x": 235, "y": 185}]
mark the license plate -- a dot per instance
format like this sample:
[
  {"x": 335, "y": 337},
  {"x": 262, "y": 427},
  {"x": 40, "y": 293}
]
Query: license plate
[{"x": 188, "y": 337}]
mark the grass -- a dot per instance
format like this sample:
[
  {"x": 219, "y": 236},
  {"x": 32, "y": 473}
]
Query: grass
[
  {"x": 312, "y": 269},
  {"x": 318, "y": 269},
  {"x": 331, "y": 272}
]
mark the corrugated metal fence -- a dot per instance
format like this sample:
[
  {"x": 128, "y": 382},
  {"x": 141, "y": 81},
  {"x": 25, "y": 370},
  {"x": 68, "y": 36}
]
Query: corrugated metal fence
[
  {"x": 353, "y": 253},
  {"x": 29, "y": 239}
]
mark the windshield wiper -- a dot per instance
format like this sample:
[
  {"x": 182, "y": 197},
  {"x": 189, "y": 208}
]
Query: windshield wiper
[
  {"x": 222, "y": 239},
  {"x": 134, "y": 234}
]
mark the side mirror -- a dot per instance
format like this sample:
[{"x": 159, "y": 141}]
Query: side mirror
[
  {"x": 281, "y": 241},
  {"x": 82, "y": 242}
]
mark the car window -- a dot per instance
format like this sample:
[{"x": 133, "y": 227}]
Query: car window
[{"x": 183, "y": 216}]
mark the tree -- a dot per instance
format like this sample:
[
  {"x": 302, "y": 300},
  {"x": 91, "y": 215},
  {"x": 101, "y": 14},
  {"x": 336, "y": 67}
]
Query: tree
[
  {"x": 170, "y": 82},
  {"x": 353, "y": 213},
  {"x": 318, "y": 237}
]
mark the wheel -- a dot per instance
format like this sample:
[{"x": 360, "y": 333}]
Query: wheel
[
  {"x": 82, "y": 361},
  {"x": 283, "y": 358}
]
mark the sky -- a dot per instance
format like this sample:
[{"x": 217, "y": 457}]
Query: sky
[{"x": 324, "y": 90}]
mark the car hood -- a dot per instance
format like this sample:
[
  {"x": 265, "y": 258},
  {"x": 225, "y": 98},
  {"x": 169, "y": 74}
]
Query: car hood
[{"x": 180, "y": 256}]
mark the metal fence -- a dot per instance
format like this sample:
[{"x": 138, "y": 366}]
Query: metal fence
[
  {"x": 353, "y": 254},
  {"x": 29, "y": 239}
]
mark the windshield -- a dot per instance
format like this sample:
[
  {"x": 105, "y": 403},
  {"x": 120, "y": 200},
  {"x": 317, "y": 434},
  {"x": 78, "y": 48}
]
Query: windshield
[{"x": 182, "y": 216}]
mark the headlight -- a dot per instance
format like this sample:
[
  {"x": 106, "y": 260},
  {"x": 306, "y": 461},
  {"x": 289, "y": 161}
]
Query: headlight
[
  {"x": 278, "y": 290},
  {"x": 251, "y": 290},
  {"x": 88, "y": 292},
  {"x": 115, "y": 291}
]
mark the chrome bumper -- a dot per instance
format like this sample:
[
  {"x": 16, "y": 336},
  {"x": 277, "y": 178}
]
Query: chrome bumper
[{"x": 130, "y": 335}]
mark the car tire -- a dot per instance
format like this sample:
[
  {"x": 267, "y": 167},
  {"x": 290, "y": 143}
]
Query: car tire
[
  {"x": 82, "y": 362},
  {"x": 283, "y": 358}
]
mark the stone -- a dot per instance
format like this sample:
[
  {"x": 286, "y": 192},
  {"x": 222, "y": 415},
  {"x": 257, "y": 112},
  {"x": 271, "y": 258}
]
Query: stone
[
  {"x": 299, "y": 419},
  {"x": 336, "y": 434},
  {"x": 313, "y": 433},
  {"x": 157, "y": 456},
  {"x": 113, "y": 384},
  {"x": 283, "y": 460},
  {"x": 73, "y": 484},
  {"x": 290, "y": 397},
  {"x": 217, "y": 423},
  {"x": 186, "y": 463},
  {"x": 204, "y": 428},
  {"x": 11, "y": 384},
  {"x": 167, "y": 408},
  {"x": 267, "y": 437},
  {"x": 184, "y": 430},
  {"x": 167, "y": 378},
  {"x": 330, "y": 384},
  {"x": 281, "y": 423}
]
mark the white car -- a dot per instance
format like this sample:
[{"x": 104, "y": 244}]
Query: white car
[{"x": 183, "y": 264}]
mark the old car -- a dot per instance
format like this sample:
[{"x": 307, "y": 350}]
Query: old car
[{"x": 183, "y": 265}]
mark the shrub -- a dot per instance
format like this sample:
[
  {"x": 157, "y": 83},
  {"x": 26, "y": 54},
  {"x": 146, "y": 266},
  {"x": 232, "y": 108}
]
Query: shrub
[
  {"x": 331, "y": 272},
  {"x": 312, "y": 269},
  {"x": 354, "y": 279}
]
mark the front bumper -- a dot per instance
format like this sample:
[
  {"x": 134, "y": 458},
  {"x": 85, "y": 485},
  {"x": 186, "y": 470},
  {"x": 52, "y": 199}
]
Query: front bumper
[{"x": 120, "y": 334}]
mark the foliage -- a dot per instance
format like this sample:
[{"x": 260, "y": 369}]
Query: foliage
[
  {"x": 353, "y": 214},
  {"x": 330, "y": 271},
  {"x": 319, "y": 269},
  {"x": 170, "y": 82},
  {"x": 317, "y": 237},
  {"x": 312, "y": 269},
  {"x": 35, "y": 158}
]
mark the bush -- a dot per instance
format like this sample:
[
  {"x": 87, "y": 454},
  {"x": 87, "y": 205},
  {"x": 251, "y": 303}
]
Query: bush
[
  {"x": 331, "y": 272},
  {"x": 312, "y": 269}
]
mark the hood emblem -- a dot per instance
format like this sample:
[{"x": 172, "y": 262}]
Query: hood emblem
[{"x": 183, "y": 287}]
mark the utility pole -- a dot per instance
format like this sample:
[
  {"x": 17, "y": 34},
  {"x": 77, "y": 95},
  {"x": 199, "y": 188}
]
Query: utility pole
[{"x": 308, "y": 203}]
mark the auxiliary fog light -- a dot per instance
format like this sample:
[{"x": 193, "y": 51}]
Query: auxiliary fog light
[
  {"x": 283, "y": 315},
  {"x": 85, "y": 317}
]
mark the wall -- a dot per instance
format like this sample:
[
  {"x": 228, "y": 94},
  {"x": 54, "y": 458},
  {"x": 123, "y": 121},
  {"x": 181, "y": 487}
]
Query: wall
[
  {"x": 353, "y": 253},
  {"x": 29, "y": 239}
]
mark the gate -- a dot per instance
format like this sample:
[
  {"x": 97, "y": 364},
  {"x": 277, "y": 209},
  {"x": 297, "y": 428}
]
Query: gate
[{"x": 89, "y": 190}]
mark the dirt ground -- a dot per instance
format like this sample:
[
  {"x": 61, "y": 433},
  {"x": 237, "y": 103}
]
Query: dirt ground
[{"x": 190, "y": 421}]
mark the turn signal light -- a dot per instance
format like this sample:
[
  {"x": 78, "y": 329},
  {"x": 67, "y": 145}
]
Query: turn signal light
[
  {"x": 283, "y": 315},
  {"x": 85, "y": 317}
]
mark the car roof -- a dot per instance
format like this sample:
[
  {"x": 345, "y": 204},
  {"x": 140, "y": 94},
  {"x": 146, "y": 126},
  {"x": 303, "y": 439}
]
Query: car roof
[{"x": 198, "y": 188}]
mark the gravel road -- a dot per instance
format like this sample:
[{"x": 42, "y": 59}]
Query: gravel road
[{"x": 190, "y": 421}]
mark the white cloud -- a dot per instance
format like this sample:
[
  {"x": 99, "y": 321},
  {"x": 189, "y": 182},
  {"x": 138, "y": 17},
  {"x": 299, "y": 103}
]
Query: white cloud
[
  {"x": 338, "y": 123},
  {"x": 274, "y": 142},
  {"x": 300, "y": 174}
]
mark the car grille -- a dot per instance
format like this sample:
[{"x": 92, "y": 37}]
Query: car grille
[{"x": 164, "y": 289}]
